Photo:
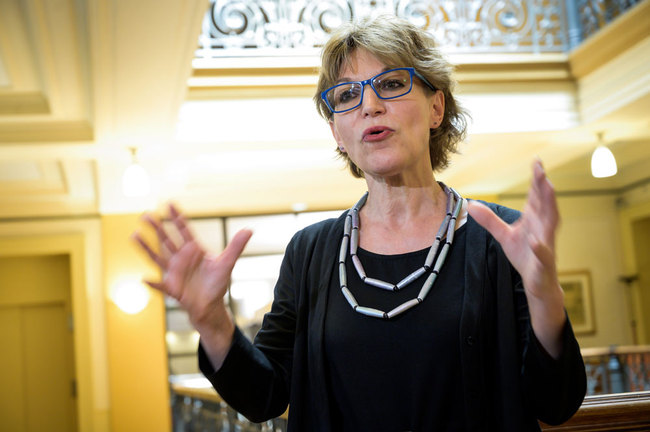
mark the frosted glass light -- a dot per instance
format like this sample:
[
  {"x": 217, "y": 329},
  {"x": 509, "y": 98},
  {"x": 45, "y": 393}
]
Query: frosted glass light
[
  {"x": 603, "y": 163},
  {"x": 135, "y": 181},
  {"x": 131, "y": 297}
]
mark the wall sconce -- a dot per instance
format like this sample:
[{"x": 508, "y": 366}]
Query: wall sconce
[
  {"x": 603, "y": 162},
  {"x": 135, "y": 180},
  {"x": 130, "y": 296}
]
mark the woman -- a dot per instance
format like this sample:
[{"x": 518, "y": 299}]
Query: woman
[{"x": 415, "y": 310}]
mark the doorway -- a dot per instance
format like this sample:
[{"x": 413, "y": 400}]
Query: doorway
[
  {"x": 641, "y": 236},
  {"x": 37, "y": 371}
]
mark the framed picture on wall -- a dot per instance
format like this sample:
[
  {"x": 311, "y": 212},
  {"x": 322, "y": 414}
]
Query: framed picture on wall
[{"x": 578, "y": 300}]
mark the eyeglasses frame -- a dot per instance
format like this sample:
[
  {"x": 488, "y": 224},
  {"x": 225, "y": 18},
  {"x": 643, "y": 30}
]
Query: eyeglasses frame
[{"x": 412, "y": 71}]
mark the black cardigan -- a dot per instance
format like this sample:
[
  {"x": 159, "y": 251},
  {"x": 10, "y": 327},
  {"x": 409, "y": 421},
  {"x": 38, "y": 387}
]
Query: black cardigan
[{"x": 508, "y": 379}]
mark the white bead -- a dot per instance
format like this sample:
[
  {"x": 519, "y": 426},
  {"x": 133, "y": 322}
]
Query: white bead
[
  {"x": 349, "y": 297},
  {"x": 344, "y": 249},
  {"x": 370, "y": 312},
  {"x": 410, "y": 278},
  {"x": 379, "y": 284},
  {"x": 359, "y": 267},
  {"x": 343, "y": 276},
  {"x": 427, "y": 285},
  {"x": 403, "y": 307}
]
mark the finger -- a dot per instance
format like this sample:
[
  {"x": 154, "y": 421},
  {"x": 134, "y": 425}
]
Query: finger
[
  {"x": 159, "y": 286},
  {"x": 547, "y": 197},
  {"x": 180, "y": 223},
  {"x": 160, "y": 261},
  {"x": 163, "y": 238},
  {"x": 235, "y": 248},
  {"x": 542, "y": 201},
  {"x": 543, "y": 253},
  {"x": 489, "y": 220}
]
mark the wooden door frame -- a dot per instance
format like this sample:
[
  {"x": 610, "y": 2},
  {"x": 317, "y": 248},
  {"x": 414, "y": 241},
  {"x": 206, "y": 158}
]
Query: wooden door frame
[
  {"x": 627, "y": 217},
  {"x": 81, "y": 241}
]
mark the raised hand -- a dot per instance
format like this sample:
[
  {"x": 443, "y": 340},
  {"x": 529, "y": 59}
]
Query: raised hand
[
  {"x": 196, "y": 279},
  {"x": 529, "y": 244}
]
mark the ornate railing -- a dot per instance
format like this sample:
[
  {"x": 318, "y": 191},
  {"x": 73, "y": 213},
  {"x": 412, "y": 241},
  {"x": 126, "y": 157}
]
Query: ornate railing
[
  {"x": 300, "y": 27},
  {"x": 596, "y": 14},
  {"x": 617, "y": 369},
  {"x": 203, "y": 410}
]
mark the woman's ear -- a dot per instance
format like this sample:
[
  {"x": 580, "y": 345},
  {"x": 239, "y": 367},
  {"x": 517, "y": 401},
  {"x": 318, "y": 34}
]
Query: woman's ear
[
  {"x": 437, "y": 112},
  {"x": 336, "y": 136}
]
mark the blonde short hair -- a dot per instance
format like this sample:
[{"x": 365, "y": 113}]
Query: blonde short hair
[{"x": 396, "y": 43}]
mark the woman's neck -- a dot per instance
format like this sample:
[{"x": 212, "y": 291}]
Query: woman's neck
[{"x": 403, "y": 218}]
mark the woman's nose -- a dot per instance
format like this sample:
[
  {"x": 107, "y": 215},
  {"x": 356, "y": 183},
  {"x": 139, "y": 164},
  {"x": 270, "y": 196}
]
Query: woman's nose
[{"x": 371, "y": 104}]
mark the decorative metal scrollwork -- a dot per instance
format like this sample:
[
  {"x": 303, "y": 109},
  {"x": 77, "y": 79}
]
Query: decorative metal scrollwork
[{"x": 258, "y": 27}]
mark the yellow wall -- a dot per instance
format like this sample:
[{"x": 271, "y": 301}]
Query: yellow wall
[
  {"x": 589, "y": 239},
  {"x": 136, "y": 346}
]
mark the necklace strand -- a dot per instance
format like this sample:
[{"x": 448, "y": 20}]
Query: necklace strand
[{"x": 351, "y": 240}]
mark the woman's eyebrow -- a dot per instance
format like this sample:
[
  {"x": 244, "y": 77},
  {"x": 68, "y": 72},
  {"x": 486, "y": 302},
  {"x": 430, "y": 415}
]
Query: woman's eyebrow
[{"x": 346, "y": 79}]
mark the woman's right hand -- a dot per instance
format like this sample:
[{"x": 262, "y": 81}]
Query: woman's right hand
[{"x": 196, "y": 279}]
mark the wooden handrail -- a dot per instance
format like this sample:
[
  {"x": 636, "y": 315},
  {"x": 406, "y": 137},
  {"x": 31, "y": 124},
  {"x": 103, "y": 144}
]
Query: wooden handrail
[{"x": 613, "y": 412}]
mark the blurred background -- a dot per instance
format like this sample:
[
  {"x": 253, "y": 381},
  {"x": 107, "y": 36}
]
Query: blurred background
[{"x": 110, "y": 108}]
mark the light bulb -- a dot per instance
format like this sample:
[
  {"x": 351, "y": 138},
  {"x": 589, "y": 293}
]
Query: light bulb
[
  {"x": 135, "y": 181},
  {"x": 603, "y": 163},
  {"x": 130, "y": 296}
]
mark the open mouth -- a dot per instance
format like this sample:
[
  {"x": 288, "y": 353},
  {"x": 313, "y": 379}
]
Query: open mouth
[{"x": 376, "y": 133}]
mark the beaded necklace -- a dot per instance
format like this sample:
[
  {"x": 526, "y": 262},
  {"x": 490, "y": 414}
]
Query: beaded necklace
[{"x": 351, "y": 239}]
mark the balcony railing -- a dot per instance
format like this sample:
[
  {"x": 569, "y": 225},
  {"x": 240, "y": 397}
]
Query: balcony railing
[
  {"x": 617, "y": 369},
  {"x": 252, "y": 28},
  {"x": 198, "y": 408}
]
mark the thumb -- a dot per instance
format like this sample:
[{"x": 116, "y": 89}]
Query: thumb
[
  {"x": 488, "y": 220},
  {"x": 235, "y": 248}
]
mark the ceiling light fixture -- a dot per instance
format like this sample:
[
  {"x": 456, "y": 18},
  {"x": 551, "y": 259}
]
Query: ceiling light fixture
[
  {"x": 603, "y": 162},
  {"x": 135, "y": 180}
]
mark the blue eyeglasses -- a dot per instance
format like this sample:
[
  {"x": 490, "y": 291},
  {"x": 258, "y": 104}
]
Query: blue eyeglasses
[{"x": 390, "y": 84}]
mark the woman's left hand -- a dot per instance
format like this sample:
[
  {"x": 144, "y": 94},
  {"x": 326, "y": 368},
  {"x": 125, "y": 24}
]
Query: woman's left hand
[{"x": 529, "y": 244}]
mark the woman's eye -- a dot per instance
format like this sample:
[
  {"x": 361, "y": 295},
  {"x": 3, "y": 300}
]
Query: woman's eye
[
  {"x": 392, "y": 84},
  {"x": 347, "y": 95}
]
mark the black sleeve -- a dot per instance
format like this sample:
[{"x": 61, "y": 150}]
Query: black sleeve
[
  {"x": 255, "y": 377},
  {"x": 556, "y": 387}
]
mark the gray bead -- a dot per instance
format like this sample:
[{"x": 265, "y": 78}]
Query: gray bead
[
  {"x": 343, "y": 276},
  {"x": 403, "y": 307},
  {"x": 344, "y": 249},
  {"x": 354, "y": 240},
  {"x": 359, "y": 267},
  {"x": 349, "y": 297},
  {"x": 379, "y": 284},
  {"x": 370, "y": 312},
  {"x": 348, "y": 223},
  {"x": 441, "y": 257},
  {"x": 410, "y": 278},
  {"x": 355, "y": 219},
  {"x": 427, "y": 285}
]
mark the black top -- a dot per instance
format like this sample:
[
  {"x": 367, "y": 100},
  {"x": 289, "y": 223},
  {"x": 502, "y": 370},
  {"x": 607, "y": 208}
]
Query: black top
[
  {"x": 507, "y": 382},
  {"x": 401, "y": 374}
]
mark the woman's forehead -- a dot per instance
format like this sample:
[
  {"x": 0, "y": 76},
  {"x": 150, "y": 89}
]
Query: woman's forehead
[{"x": 361, "y": 62}]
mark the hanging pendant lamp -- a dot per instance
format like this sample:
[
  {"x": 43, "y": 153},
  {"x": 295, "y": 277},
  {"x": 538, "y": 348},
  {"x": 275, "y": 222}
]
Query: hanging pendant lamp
[
  {"x": 603, "y": 162},
  {"x": 135, "y": 180}
]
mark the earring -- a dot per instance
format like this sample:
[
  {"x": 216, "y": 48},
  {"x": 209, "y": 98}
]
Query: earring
[{"x": 341, "y": 148}]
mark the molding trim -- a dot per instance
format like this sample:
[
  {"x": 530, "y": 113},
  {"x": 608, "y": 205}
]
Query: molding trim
[
  {"x": 80, "y": 239},
  {"x": 46, "y": 131}
]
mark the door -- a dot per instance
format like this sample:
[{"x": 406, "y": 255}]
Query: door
[{"x": 37, "y": 375}]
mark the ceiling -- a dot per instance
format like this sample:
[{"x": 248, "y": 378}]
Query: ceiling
[{"x": 82, "y": 81}]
